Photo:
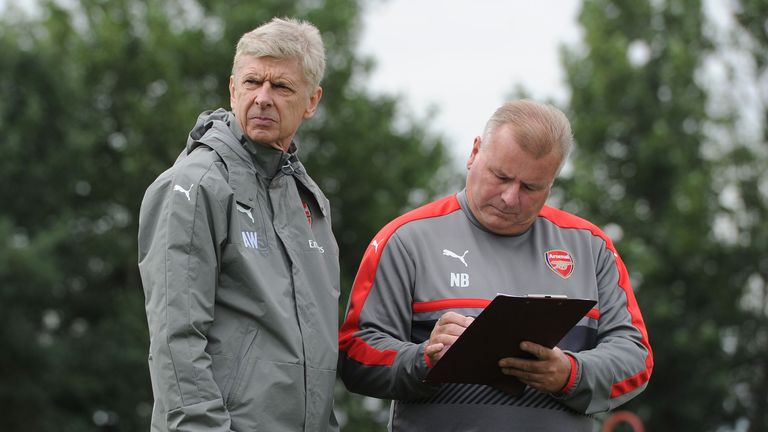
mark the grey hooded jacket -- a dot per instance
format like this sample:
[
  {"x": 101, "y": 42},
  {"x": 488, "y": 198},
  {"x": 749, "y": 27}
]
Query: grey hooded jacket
[{"x": 241, "y": 279}]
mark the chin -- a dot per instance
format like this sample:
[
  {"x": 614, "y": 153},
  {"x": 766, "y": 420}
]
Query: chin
[
  {"x": 261, "y": 138},
  {"x": 504, "y": 227},
  {"x": 498, "y": 228}
]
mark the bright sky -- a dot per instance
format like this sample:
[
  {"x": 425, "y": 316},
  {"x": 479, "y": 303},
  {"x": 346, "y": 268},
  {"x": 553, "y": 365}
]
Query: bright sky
[{"x": 463, "y": 57}]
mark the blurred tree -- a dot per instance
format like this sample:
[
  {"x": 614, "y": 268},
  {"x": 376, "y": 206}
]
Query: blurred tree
[
  {"x": 96, "y": 99},
  {"x": 743, "y": 181},
  {"x": 655, "y": 167}
]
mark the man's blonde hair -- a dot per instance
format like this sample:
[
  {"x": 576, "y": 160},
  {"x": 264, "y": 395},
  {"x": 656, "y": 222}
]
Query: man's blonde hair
[
  {"x": 286, "y": 38},
  {"x": 538, "y": 128}
]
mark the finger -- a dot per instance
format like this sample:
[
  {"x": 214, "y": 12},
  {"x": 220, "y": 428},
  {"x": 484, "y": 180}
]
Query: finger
[
  {"x": 434, "y": 352},
  {"x": 451, "y": 329},
  {"x": 445, "y": 339},
  {"x": 446, "y": 318},
  {"x": 515, "y": 367},
  {"x": 512, "y": 371},
  {"x": 524, "y": 366},
  {"x": 513, "y": 362},
  {"x": 453, "y": 318},
  {"x": 528, "y": 378},
  {"x": 539, "y": 351}
]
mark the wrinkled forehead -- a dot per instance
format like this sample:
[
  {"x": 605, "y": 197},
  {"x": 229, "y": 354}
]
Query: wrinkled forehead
[
  {"x": 271, "y": 68},
  {"x": 245, "y": 60},
  {"x": 504, "y": 155}
]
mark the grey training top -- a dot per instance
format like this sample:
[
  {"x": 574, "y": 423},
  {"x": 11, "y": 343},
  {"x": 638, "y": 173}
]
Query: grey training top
[{"x": 438, "y": 258}]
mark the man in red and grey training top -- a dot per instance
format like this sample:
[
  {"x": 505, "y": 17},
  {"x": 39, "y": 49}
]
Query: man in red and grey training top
[{"x": 428, "y": 272}]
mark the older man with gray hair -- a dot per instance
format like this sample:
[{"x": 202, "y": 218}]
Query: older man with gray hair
[{"x": 237, "y": 258}]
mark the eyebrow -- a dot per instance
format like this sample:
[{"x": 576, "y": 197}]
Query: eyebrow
[{"x": 533, "y": 185}]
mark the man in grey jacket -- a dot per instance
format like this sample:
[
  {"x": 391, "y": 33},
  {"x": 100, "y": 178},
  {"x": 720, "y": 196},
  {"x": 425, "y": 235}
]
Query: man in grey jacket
[{"x": 237, "y": 258}]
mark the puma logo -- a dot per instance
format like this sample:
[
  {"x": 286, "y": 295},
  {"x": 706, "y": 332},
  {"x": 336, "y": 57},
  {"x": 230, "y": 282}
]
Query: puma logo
[
  {"x": 184, "y": 191},
  {"x": 375, "y": 244},
  {"x": 446, "y": 252},
  {"x": 246, "y": 211}
]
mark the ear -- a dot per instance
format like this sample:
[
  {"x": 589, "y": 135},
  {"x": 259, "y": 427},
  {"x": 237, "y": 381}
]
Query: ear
[
  {"x": 475, "y": 151},
  {"x": 314, "y": 100},
  {"x": 232, "y": 99}
]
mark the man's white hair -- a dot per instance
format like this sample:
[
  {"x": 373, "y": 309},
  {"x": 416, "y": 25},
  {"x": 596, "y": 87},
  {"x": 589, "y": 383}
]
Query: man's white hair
[{"x": 286, "y": 38}]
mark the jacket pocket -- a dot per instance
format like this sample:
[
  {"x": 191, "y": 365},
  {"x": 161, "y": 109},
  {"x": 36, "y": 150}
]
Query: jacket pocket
[
  {"x": 320, "y": 385},
  {"x": 227, "y": 369},
  {"x": 271, "y": 397}
]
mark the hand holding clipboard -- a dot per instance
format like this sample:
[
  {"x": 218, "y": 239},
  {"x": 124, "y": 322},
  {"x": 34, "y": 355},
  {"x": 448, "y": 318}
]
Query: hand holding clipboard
[{"x": 497, "y": 333}]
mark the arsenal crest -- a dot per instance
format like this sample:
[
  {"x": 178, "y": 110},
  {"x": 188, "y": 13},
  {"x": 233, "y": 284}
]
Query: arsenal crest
[{"x": 560, "y": 262}]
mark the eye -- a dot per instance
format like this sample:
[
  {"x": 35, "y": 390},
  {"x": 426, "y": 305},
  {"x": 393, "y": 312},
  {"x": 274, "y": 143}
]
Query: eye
[
  {"x": 252, "y": 82},
  {"x": 532, "y": 187},
  {"x": 283, "y": 88},
  {"x": 500, "y": 177}
]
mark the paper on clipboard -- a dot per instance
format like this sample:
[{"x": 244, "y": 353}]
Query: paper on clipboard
[{"x": 497, "y": 332}]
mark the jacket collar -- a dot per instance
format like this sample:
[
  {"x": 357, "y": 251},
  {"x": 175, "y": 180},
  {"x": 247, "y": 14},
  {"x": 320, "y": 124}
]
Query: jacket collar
[
  {"x": 268, "y": 161},
  {"x": 221, "y": 131}
]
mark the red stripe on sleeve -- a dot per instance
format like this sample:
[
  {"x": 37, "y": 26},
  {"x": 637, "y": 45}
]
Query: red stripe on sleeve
[
  {"x": 643, "y": 376},
  {"x": 594, "y": 313},
  {"x": 572, "y": 376},
  {"x": 427, "y": 360},
  {"x": 566, "y": 220},
  {"x": 355, "y": 347}
]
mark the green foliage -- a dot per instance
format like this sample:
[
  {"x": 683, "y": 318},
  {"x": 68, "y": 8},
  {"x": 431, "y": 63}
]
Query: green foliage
[
  {"x": 96, "y": 100},
  {"x": 97, "y": 97},
  {"x": 742, "y": 171},
  {"x": 644, "y": 170}
]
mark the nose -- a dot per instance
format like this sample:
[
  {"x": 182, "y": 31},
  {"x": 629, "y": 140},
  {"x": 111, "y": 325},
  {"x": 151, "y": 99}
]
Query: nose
[
  {"x": 510, "y": 195},
  {"x": 263, "y": 97}
]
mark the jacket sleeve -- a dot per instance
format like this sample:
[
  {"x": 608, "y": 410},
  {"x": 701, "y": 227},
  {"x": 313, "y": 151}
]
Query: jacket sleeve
[
  {"x": 181, "y": 225},
  {"x": 377, "y": 357},
  {"x": 618, "y": 368}
]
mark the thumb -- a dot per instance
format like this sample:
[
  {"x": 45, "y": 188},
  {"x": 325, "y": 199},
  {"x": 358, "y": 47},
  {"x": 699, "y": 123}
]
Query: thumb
[{"x": 433, "y": 349}]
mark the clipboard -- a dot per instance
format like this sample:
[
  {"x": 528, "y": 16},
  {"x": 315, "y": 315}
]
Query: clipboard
[{"x": 497, "y": 332}]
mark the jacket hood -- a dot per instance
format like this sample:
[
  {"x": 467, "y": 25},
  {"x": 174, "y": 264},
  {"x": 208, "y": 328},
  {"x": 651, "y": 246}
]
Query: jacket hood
[
  {"x": 221, "y": 126},
  {"x": 207, "y": 120}
]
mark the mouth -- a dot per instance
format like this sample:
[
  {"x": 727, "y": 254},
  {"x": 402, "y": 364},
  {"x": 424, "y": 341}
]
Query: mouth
[
  {"x": 503, "y": 212},
  {"x": 262, "y": 120}
]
